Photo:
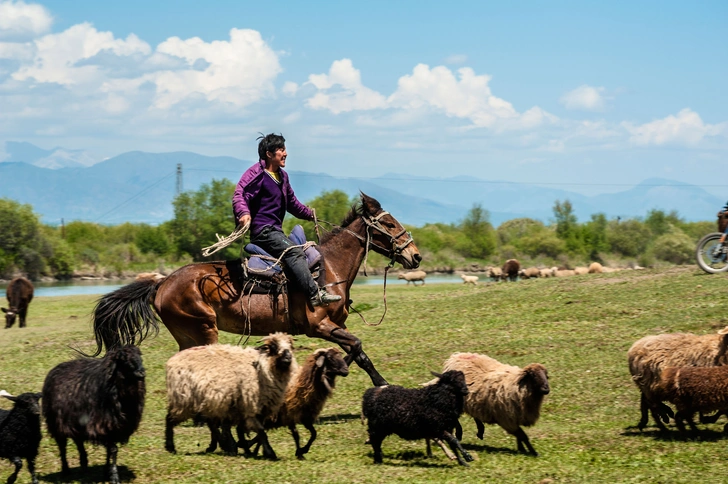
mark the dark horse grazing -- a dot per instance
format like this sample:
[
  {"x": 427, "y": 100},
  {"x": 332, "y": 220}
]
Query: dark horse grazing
[{"x": 198, "y": 300}]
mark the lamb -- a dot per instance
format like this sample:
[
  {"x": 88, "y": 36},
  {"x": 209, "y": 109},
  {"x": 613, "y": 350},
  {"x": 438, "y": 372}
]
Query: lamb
[
  {"x": 495, "y": 273},
  {"x": 430, "y": 412},
  {"x": 226, "y": 385},
  {"x": 510, "y": 270},
  {"x": 469, "y": 279},
  {"x": 693, "y": 389},
  {"x": 20, "y": 432},
  {"x": 530, "y": 272},
  {"x": 595, "y": 268},
  {"x": 501, "y": 394},
  {"x": 307, "y": 392},
  {"x": 96, "y": 400},
  {"x": 413, "y": 277},
  {"x": 648, "y": 356}
]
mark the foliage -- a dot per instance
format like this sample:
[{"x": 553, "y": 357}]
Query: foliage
[
  {"x": 674, "y": 246},
  {"x": 479, "y": 236},
  {"x": 628, "y": 237}
]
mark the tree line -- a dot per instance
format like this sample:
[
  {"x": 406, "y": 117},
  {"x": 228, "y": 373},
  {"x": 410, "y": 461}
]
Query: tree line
[{"x": 40, "y": 250}]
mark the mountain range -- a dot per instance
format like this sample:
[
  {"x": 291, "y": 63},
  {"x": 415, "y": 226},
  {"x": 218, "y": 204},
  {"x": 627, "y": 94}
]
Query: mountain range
[{"x": 139, "y": 187}]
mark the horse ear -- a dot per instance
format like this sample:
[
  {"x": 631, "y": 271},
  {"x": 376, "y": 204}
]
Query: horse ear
[{"x": 370, "y": 205}]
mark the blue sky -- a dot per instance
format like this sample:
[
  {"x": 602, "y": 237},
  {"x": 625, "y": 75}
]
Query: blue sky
[{"x": 595, "y": 95}]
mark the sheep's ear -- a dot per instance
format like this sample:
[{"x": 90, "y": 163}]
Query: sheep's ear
[
  {"x": 38, "y": 396},
  {"x": 4, "y": 310},
  {"x": 436, "y": 375},
  {"x": 722, "y": 331},
  {"x": 320, "y": 361}
]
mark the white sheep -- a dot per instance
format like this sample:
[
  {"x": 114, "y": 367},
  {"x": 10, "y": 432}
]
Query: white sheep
[
  {"x": 495, "y": 273},
  {"x": 648, "y": 356},
  {"x": 225, "y": 385},
  {"x": 545, "y": 273},
  {"x": 469, "y": 279},
  {"x": 580, "y": 271},
  {"x": 501, "y": 394},
  {"x": 595, "y": 268},
  {"x": 564, "y": 273},
  {"x": 413, "y": 276},
  {"x": 530, "y": 272}
]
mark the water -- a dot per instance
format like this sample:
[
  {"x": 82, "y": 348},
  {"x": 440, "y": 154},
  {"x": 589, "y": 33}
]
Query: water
[{"x": 96, "y": 287}]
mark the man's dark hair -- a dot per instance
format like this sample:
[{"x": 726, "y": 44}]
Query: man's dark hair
[{"x": 270, "y": 142}]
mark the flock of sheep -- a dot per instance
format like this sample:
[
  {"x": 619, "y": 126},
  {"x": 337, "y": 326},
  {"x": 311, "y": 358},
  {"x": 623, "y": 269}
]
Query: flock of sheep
[{"x": 254, "y": 389}]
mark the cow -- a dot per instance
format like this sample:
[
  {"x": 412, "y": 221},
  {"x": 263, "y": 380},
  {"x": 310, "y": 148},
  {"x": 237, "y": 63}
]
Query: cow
[{"x": 19, "y": 294}]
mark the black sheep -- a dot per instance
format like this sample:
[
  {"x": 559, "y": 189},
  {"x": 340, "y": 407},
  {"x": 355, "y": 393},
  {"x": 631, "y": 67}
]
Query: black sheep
[
  {"x": 95, "y": 400},
  {"x": 20, "y": 432},
  {"x": 430, "y": 412}
]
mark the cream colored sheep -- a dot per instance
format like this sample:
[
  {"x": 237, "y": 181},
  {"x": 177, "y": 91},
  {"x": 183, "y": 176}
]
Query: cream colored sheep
[
  {"x": 501, "y": 394},
  {"x": 495, "y": 273},
  {"x": 530, "y": 272},
  {"x": 650, "y": 355},
  {"x": 226, "y": 385},
  {"x": 413, "y": 276},
  {"x": 469, "y": 279},
  {"x": 564, "y": 273},
  {"x": 545, "y": 273},
  {"x": 580, "y": 271},
  {"x": 595, "y": 268}
]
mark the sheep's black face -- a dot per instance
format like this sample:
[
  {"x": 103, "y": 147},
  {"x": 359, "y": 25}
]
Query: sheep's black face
[
  {"x": 334, "y": 363},
  {"x": 537, "y": 377},
  {"x": 456, "y": 380},
  {"x": 9, "y": 317},
  {"x": 285, "y": 357},
  {"x": 27, "y": 402},
  {"x": 129, "y": 361}
]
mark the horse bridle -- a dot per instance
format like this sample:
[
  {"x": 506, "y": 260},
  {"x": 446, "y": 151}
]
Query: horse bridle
[{"x": 372, "y": 222}]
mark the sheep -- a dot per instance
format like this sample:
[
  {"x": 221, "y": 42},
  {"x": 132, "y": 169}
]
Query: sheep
[
  {"x": 430, "y": 412},
  {"x": 469, "y": 279},
  {"x": 19, "y": 294},
  {"x": 510, "y": 270},
  {"x": 564, "y": 273},
  {"x": 545, "y": 273},
  {"x": 96, "y": 400},
  {"x": 413, "y": 276},
  {"x": 501, "y": 394},
  {"x": 20, "y": 432},
  {"x": 692, "y": 389},
  {"x": 149, "y": 276},
  {"x": 530, "y": 272},
  {"x": 307, "y": 392},
  {"x": 595, "y": 268},
  {"x": 580, "y": 271},
  {"x": 648, "y": 356},
  {"x": 226, "y": 385},
  {"x": 495, "y": 273}
]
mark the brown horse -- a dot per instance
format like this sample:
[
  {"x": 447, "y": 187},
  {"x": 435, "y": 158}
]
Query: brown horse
[{"x": 198, "y": 300}]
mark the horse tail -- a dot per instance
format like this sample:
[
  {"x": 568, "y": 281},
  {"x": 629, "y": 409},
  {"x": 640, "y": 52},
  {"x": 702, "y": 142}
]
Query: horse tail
[{"x": 125, "y": 316}]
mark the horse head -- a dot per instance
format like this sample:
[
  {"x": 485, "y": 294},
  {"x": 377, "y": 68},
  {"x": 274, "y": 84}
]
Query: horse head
[{"x": 386, "y": 236}]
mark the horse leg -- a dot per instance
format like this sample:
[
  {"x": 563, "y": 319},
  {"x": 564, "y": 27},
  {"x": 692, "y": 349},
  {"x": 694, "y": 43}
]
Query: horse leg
[
  {"x": 191, "y": 331},
  {"x": 352, "y": 346}
]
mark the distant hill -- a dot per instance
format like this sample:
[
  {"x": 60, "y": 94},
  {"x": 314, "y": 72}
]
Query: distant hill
[
  {"x": 52, "y": 159},
  {"x": 139, "y": 187}
]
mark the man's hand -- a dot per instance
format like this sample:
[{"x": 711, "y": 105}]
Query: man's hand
[{"x": 244, "y": 220}]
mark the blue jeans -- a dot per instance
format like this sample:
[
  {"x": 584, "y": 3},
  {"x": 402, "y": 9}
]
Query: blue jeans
[{"x": 275, "y": 242}]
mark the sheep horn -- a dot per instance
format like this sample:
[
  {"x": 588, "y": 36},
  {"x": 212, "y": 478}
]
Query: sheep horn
[{"x": 436, "y": 375}]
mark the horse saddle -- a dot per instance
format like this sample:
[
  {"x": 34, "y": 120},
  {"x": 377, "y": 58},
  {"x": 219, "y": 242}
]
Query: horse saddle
[{"x": 261, "y": 264}]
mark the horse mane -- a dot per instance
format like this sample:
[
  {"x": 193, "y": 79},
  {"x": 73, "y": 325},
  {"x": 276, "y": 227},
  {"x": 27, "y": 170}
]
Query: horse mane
[{"x": 357, "y": 210}]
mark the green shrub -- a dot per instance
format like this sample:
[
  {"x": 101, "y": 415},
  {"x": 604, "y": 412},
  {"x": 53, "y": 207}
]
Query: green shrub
[{"x": 675, "y": 246}]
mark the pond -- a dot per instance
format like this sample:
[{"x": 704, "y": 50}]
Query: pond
[{"x": 91, "y": 287}]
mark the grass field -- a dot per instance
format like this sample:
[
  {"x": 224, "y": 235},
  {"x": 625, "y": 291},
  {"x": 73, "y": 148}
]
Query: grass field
[{"x": 580, "y": 328}]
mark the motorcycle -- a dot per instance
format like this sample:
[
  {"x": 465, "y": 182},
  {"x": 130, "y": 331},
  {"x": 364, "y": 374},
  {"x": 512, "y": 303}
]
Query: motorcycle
[{"x": 712, "y": 256}]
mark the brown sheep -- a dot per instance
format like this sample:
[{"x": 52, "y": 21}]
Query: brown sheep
[{"x": 510, "y": 269}]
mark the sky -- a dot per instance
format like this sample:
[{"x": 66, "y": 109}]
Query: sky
[{"x": 591, "y": 97}]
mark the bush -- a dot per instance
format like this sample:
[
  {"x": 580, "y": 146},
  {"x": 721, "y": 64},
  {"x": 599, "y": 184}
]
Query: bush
[{"x": 674, "y": 246}]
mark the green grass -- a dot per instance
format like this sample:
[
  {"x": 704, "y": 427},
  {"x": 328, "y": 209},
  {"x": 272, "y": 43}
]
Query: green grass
[{"x": 580, "y": 328}]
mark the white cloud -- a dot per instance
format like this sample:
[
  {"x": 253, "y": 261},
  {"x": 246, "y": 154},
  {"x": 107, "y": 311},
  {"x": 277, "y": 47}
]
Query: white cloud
[
  {"x": 685, "y": 128},
  {"x": 239, "y": 71},
  {"x": 456, "y": 59},
  {"x": 57, "y": 56},
  {"x": 349, "y": 93},
  {"x": 20, "y": 20},
  {"x": 586, "y": 98},
  {"x": 289, "y": 88}
]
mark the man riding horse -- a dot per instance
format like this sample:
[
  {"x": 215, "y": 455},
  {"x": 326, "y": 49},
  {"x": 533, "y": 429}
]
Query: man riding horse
[{"x": 262, "y": 198}]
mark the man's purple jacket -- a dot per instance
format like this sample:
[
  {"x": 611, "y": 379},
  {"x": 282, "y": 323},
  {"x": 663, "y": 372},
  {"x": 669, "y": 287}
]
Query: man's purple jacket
[{"x": 249, "y": 186}]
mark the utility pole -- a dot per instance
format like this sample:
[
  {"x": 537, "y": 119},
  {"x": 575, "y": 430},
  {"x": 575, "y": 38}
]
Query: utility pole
[{"x": 179, "y": 179}]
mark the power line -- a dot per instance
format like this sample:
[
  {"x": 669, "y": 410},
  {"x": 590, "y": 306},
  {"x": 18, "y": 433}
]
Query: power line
[
  {"x": 483, "y": 182},
  {"x": 134, "y": 197}
]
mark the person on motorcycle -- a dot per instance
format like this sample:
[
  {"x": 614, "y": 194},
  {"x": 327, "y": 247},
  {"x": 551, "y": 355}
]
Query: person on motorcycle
[{"x": 725, "y": 233}]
